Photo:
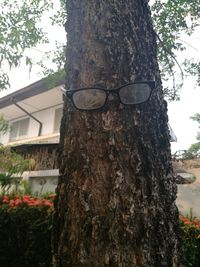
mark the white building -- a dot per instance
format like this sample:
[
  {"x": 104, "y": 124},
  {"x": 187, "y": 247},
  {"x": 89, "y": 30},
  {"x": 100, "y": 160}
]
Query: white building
[{"x": 34, "y": 115}]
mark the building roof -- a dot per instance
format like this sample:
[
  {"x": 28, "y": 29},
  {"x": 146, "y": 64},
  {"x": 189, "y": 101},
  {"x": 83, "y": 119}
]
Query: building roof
[
  {"x": 37, "y": 96},
  {"x": 33, "y": 89},
  {"x": 173, "y": 137}
]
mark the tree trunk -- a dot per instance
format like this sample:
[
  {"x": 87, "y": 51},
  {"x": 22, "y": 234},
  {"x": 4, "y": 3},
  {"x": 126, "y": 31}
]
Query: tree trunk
[{"x": 115, "y": 202}]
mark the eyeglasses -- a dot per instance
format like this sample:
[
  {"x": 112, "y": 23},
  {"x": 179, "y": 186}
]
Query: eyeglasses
[{"x": 95, "y": 98}]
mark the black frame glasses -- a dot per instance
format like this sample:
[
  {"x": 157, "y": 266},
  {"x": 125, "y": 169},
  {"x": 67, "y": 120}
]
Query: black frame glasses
[{"x": 94, "y": 98}]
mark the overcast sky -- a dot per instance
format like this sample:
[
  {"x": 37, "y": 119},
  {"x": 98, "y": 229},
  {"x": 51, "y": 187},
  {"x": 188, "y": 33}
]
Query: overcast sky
[
  {"x": 189, "y": 104},
  {"x": 180, "y": 113}
]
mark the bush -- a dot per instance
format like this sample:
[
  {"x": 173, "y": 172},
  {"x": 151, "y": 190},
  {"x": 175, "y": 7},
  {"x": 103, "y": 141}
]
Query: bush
[
  {"x": 25, "y": 231},
  {"x": 191, "y": 240}
]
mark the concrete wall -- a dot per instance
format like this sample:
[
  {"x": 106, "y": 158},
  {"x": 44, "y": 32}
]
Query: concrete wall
[
  {"x": 39, "y": 182},
  {"x": 42, "y": 181}
]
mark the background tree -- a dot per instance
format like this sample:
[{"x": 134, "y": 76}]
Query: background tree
[
  {"x": 4, "y": 125},
  {"x": 194, "y": 149},
  {"x": 175, "y": 22},
  {"x": 115, "y": 203},
  {"x": 12, "y": 165},
  {"x": 23, "y": 26}
]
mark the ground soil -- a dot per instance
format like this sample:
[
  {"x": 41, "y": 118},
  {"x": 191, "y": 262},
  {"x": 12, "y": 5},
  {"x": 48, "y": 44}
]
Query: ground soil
[{"x": 188, "y": 196}]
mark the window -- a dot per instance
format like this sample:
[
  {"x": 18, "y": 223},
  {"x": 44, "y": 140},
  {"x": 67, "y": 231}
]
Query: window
[
  {"x": 19, "y": 129},
  {"x": 57, "y": 119}
]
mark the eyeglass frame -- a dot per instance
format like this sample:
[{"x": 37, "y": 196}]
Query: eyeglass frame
[{"x": 115, "y": 91}]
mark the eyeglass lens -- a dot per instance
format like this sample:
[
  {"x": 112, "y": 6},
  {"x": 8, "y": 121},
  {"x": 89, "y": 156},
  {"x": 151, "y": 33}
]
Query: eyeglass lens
[
  {"x": 134, "y": 93},
  {"x": 89, "y": 99}
]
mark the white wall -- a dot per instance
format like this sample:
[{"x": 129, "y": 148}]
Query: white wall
[{"x": 46, "y": 117}]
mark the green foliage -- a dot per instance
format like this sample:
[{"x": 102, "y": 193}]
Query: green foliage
[
  {"x": 192, "y": 67},
  {"x": 4, "y": 126},
  {"x": 25, "y": 188},
  {"x": 4, "y": 80},
  {"x": 6, "y": 181},
  {"x": 19, "y": 30},
  {"x": 195, "y": 148},
  {"x": 54, "y": 78},
  {"x": 191, "y": 246},
  {"x": 196, "y": 118},
  {"x": 191, "y": 240},
  {"x": 11, "y": 164},
  {"x": 25, "y": 236},
  {"x": 25, "y": 230},
  {"x": 59, "y": 17},
  {"x": 172, "y": 19},
  {"x": 57, "y": 57}
]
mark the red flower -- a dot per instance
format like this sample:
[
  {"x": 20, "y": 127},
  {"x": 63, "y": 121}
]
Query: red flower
[
  {"x": 188, "y": 222},
  {"x": 5, "y": 201},
  {"x": 27, "y": 200},
  {"x": 12, "y": 203},
  {"x": 18, "y": 202}
]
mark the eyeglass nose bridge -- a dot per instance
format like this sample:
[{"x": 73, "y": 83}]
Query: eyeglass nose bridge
[{"x": 112, "y": 93}]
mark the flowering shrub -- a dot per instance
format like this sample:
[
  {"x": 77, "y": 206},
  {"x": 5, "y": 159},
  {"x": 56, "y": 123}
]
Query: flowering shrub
[
  {"x": 24, "y": 201},
  {"x": 191, "y": 240},
  {"x": 25, "y": 231}
]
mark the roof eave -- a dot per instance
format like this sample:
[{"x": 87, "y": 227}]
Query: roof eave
[{"x": 33, "y": 89}]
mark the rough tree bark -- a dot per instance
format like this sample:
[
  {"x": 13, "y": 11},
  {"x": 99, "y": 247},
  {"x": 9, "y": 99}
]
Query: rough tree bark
[{"x": 115, "y": 202}]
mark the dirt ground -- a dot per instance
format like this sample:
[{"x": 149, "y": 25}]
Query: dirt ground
[{"x": 188, "y": 196}]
